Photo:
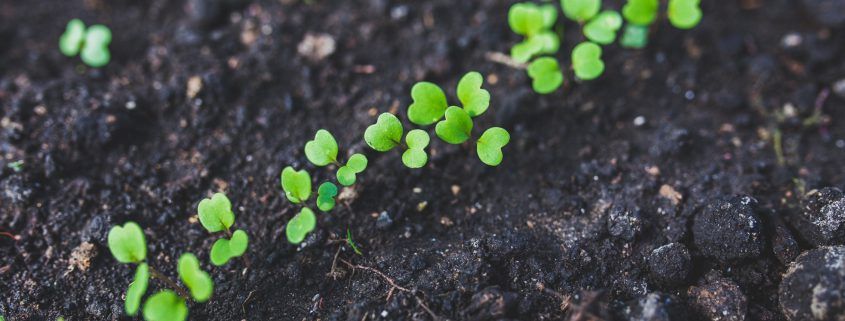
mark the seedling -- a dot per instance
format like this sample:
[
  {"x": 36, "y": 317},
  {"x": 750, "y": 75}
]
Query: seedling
[
  {"x": 489, "y": 147},
  {"x": 165, "y": 305},
  {"x": 296, "y": 184},
  {"x": 216, "y": 215},
  {"x": 386, "y": 133},
  {"x": 415, "y": 156},
  {"x": 91, "y": 44},
  {"x": 586, "y": 61},
  {"x": 197, "y": 280},
  {"x": 346, "y": 175},
  {"x": 535, "y": 23},
  {"x": 580, "y": 10},
  {"x": 640, "y": 12},
  {"x": 349, "y": 242},
  {"x": 602, "y": 29},
  {"x": 456, "y": 128},
  {"x": 300, "y": 225},
  {"x": 17, "y": 167},
  {"x": 429, "y": 104},
  {"x": 323, "y": 151},
  {"x": 684, "y": 14},
  {"x": 545, "y": 74},
  {"x": 325, "y": 196}
]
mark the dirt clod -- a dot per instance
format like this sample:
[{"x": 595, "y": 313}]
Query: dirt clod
[
  {"x": 669, "y": 265},
  {"x": 821, "y": 220},
  {"x": 728, "y": 229},
  {"x": 719, "y": 299},
  {"x": 813, "y": 288}
]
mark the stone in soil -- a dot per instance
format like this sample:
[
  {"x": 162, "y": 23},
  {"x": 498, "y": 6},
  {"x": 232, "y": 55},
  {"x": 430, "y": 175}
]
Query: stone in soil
[
  {"x": 669, "y": 265},
  {"x": 729, "y": 229},
  {"x": 813, "y": 287},
  {"x": 719, "y": 299},
  {"x": 657, "y": 306},
  {"x": 820, "y": 221}
]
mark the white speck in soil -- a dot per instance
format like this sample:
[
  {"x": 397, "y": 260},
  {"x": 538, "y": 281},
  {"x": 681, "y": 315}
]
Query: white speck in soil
[
  {"x": 689, "y": 95},
  {"x": 639, "y": 121}
]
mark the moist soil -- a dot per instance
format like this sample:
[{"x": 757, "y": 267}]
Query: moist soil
[{"x": 671, "y": 188}]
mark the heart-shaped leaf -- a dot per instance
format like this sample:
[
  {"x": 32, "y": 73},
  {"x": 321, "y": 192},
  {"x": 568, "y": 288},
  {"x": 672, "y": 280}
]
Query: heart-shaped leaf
[
  {"x": 456, "y": 128},
  {"x": 640, "y": 12},
  {"x": 429, "y": 104},
  {"x": 296, "y": 184},
  {"x": 346, "y": 175},
  {"x": 489, "y": 146},
  {"x": 586, "y": 61},
  {"x": 523, "y": 51},
  {"x": 415, "y": 156},
  {"x": 322, "y": 150},
  {"x": 525, "y": 18},
  {"x": 71, "y": 40},
  {"x": 165, "y": 306},
  {"x": 325, "y": 196},
  {"x": 580, "y": 10},
  {"x": 385, "y": 134},
  {"x": 300, "y": 225},
  {"x": 684, "y": 14},
  {"x": 545, "y": 74},
  {"x": 127, "y": 243},
  {"x": 602, "y": 29},
  {"x": 216, "y": 213},
  {"x": 137, "y": 289},
  {"x": 475, "y": 100},
  {"x": 95, "y": 50},
  {"x": 634, "y": 36},
  {"x": 224, "y": 250},
  {"x": 197, "y": 280}
]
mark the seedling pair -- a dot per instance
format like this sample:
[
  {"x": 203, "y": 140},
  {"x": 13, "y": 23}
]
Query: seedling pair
[
  {"x": 535, "y": 23},
  {"x": 640, "y": 14},
  {"x": 91, "y": 44},
  {"x": 216, "y": 215}
]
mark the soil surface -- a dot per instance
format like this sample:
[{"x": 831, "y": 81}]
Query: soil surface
[{"x": 680, "y": 185}]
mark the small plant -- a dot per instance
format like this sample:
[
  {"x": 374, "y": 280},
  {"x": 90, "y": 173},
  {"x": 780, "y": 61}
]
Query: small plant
[
  {"x": 580, "y": 10},
  {"x": 91, "y": 44},
  {"x": 586, "y": 61},
  {"x": 545, "y": 74},
  {"x": 640, "y": 12},
  {"x": 216, "y": 215},
  {"x": 128, "y": 245},
  {"x": 602, "y": 29},
  {"x": 684, "y": 14},
  {"x": 535, "y": 23}
]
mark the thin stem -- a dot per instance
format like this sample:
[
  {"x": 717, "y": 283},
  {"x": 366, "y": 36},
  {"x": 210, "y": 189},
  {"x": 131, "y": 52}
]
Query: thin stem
[
  {"x": 11, "y": 236},
  {"x": 169, "y": 282}
]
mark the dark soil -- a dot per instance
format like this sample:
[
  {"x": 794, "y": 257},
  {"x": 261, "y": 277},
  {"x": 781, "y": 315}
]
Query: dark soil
[{"x": 566, "y": 227}]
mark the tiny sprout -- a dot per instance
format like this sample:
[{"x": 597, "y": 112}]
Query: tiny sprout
[
  {"x": 165, "y": 306},
  {"x": 91, "y": 44},
  {"x": 322, "y": 150},
  {"x": 385, "y": 134},
  {"x": 17, "y": 167},
  {"x": 602, "y": 29},
  {"x": 346, "y": 175},
  {"x": 535, "y": 23},
  {"x": 300, "y": 225},
  {"x": 325, "y": 196},
  {"x": 296, "y": 184},
  {"x": 429, "y": 104},
  {"x": 684, "y": 14},
  {"x": 415, "y": 156},
  {"x": 580, "y": 10},
  {"x": 215, "y": 213},
  {"x": 197, "y": 280},
  {"x": 474, "y": 98},
  {"x": 586, "y": 60},
  {"x": 349, "y": 242},
  {"x": 127, "y": 243},
  {"x": 489, "y": 146},
  {"x": 634, "y": 36},
  {"x": 137, "y": 289},
  {"x": 640, "y": 12},
  {"x": 545, "y": 74},
  {"x": 224, "y": 250},
  {"x": 456, "y": 128}
]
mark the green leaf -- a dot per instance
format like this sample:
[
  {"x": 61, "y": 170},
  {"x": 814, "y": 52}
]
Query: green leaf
[
  {"x": 385, "y": 134},
  {"x": 526, "y": 18},
  {"x": 95, "y": 50},
  {"x": 640, "y": 12},
  {"x": 197, "y": 280},
  {"x": 296, "y": 184},
  {"x": 586, "y": 61},
  {"x": 346, "y": 175},
  {"x": 549, "y": 15},
  {"x": 300, "y": 225},
  {"x": 325, "y": 196},
  {"x": 580, "y": 10},
  {"x": 602, "y": 29},
  {"x": 456, "y": 128},
  {"x": 474, "y": 99},
  {"x": 684, "y": 14},
  {"x": 216, "y": 213},
  {"x": 523, "y": 51},
  {"x": 545, "y": 74},
  {"x": 350, "y": 242},
  {"x": 127, "y": 243},
  {"x": 165, "y": 306},
  {"x": 489, "y": 146},
  {"x": 415, "y": 156},
  {"x": 634, "y": 36},
  {"x": 71, "y": 41},
  {"x": 224, "y": 250},
  {"x": 322, "y": 150},
  {"x": 137, "y": 289},
  {"x": 429, "y": 104},
  {"x": 548, "y": 41}
]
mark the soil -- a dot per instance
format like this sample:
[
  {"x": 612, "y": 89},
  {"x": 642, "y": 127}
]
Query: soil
[{"x": 737, "y": 118}]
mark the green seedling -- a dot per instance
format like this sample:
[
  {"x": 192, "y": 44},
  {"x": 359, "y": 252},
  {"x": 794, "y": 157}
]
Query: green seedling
[
  {"x": 17, "y": 167},
  {"x": 91, "y": 44},
  {"x": 165, "y": 306},
  {"x": 475, "y": 99},
  {"x": 216, "y": 215},
  {"x": 602, "y": 29},
  {"x": 326, "y": 196},
  {"x": 349, "y": 242},
  {"x": 429, "y": 104},
  {"x": 640, "y": 12},
  {"x": 684, "y": 14},
  {"x": 300, "y": 225},
  {"x": 224, "y": 249},
  {"x": 456, "y": 128},
  {"x": 534, "y": 22},
  {"x": 489, "y": 146},
  {"x": 296, "y": 184},
  {"x": 127, "y": 243},
  {"x": 580, "y": 10},
  {"x": 634, "y": 36},
  {"x": 415, "y": 156},
  {"x": 346, "y": 175},
  {"x": 386, "y": 133},
  {"x": 197, "y": 280},
  {"x": 545, "y": 74},
  {"x": 322, "y": 150},
  {"x": 586, "y": 61},
  {"x": 137, "y": 288}
]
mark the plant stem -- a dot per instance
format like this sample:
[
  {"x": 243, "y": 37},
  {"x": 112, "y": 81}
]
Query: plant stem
[{"x": 169, "y": 282}]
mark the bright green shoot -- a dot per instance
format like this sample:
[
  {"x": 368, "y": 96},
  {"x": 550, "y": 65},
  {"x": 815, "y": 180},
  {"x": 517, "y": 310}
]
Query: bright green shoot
[
  {"x": 545, "y": 74},
  {"x": 91, "y": 44},
  {"x": 127, "y": 243},
  {"x": 136, "y": 289},
  {"x": 429, "y": 104},
  {"x": 602, "y": 29},
  {"x": 197, "y": 280},
  {"x": 640, "y": 12},
  {"x": 322, "y": 150},
  {"x": 456, "y": 128},
  {"x": 326, "y": 196},
  {"x": 415, "y": 156},
  {"x": 296, "y": 184},
  {"x": 385, "y": 134},
  {"x": 165, "y": 306},
  {"x": 346, "y": 175},
  {"x": 580, "y": 10},
  {"x": 215, "y": 213},
  {"x": 489, "y": 146},
  {"x": 475, "y": 99},
  {"x": 535, "y": 23},
  {"x": 300, "y": 225},
  {"x": 684, "y": 14},
  {"x": 350, "y": 242},
  {"x": 634, "y": 36},
  {"x": 586, "y": 61},
  {"x": 224, "y": 249}
]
